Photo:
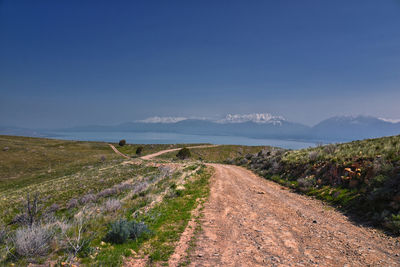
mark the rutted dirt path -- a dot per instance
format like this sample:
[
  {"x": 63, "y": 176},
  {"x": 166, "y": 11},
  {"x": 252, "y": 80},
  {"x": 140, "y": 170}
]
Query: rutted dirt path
[{"x": 249, "y": 221}]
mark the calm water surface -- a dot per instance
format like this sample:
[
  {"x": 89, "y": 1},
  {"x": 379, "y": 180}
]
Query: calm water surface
[{"x": 173, "y": 138}]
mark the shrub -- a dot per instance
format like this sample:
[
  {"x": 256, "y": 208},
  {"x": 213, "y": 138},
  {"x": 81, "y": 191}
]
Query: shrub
[
  {"x": 33, "y": 240},
  {"x": 77, "y": 244},
  {"x": 184, "y": 153},
  {"x": 137, "y": 229},
  {"x": 54, "y": 207},
  {"x": 121, "y": 230},
  {"x": 72, "y": 203},
  {"x": 123, "y": 186},
  {"x": 394, "y": 223},
  {"x": 87, "y": 198},
  {"x": 3, "y": 234},
  {"x": 139, "y": 150},
  {"x": 122, "y": 142},
  {"x": 330, "y": 149},
  {"x": 112, "y": 205},
  {"x": 306, "y": 183},
  {"x": 313, "y": 155},
  {"x": 108, "y": 192},
  {"x": 32, "y": 211}
]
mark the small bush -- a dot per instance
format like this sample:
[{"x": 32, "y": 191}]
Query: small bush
[
  {"x": 72, "y": 203},
  {"x": 139, "y": 150},
  {"x": 108, "y": 192},
  {"x": 3, "y": 234},
  {"x": 313, "y": 155},
  {"x": 330, "y": 149},
  {"x": 74, "y": 238},
  {"x": 54, "y": 207},
  {"x": 122, "y": 142},
  {"x": 112, "y": 205},
  {"x": 119, "y": 232},
  {"x": 87, "y": 199},
  {"x": 306, "y": 183},
  {"x": 32, "y": 212},
  {"x": 184, "y": 153},
  {"x": 138, "y": 229},
  {"x": 122, "y": 230},
  {"x": 33, "y": 240},
  {"x": 123, "y": 186},
  {"x": 394, "y": 223}
]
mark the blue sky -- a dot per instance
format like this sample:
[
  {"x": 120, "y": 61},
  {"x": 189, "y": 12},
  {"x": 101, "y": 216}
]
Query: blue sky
[{"x": 65, "y": 63}]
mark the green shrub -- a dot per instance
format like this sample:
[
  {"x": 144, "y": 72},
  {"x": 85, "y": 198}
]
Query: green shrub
[
  {"x": 394, "y": 223},
  {"x": 119, "y": 232},
  {"x": 184, "y": 153},
  {"x": 137, "y": 229},
  {"x": 139, "y": 150},
  {"x": 122, "y": 230},
  {"x": 122, "y": 142}
]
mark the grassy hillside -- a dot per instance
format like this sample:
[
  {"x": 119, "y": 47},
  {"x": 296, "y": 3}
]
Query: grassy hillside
[
  {"x": 220, "y": 153},
  {"x": 361, "y": 177},
  {"x": 66, "y": 201},
  {"x": 25, "y": 160}
]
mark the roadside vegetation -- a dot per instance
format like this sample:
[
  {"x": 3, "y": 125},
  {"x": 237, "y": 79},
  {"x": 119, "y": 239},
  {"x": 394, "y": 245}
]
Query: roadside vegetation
[
  {"x": 360, "y": 177},
  {"x": 92, "y": 208}
]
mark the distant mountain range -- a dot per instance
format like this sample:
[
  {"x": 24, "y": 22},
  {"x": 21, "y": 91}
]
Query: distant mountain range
[{"x": 336, "y": 129}]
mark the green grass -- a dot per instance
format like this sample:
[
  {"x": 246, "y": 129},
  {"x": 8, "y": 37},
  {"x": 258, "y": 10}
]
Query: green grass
[
  {"x": 61, "y": 171},
  {"x": 220, "y": 153},
  {"x": 167, "y": 220},
  {"x": 35, "y": 160},
  {"x": 387, "y": 147}
]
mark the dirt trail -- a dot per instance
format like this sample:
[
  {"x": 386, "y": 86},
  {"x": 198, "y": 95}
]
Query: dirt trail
[
  {"x": 147, "y": 157},
  {"x": 249, "y": 221},
  {"x": 118, "y": 152}
]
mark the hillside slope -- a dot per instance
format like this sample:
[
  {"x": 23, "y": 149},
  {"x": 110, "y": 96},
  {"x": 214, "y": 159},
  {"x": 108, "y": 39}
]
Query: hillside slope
[{"x": 361, "y": 177}]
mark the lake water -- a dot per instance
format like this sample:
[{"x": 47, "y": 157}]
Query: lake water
[{"x": 173, "y": 138}]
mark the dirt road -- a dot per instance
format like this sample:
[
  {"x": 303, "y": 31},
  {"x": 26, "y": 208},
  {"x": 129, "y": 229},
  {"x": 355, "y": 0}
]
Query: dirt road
[{"x": 249, "y": 221}]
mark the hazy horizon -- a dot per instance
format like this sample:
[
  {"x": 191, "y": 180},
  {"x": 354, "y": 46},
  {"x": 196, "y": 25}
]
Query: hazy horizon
[{"x": 65, "y": 64}]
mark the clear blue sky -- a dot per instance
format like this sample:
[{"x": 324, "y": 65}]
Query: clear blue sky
[{"x": 101, "y": 62}]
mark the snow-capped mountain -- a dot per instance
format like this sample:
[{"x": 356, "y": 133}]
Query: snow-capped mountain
[
  {"x": 255, "y": 125},
  {"x": 253, "y": 117},
  {"x": 158, "y": 119}
]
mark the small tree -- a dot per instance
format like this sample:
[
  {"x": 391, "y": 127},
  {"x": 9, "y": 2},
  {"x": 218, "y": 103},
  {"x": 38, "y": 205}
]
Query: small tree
[
  {"x": 184, "y": 153},
  {"x": 139, "y": 150},
  {"x": 122, "y": 142}
]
